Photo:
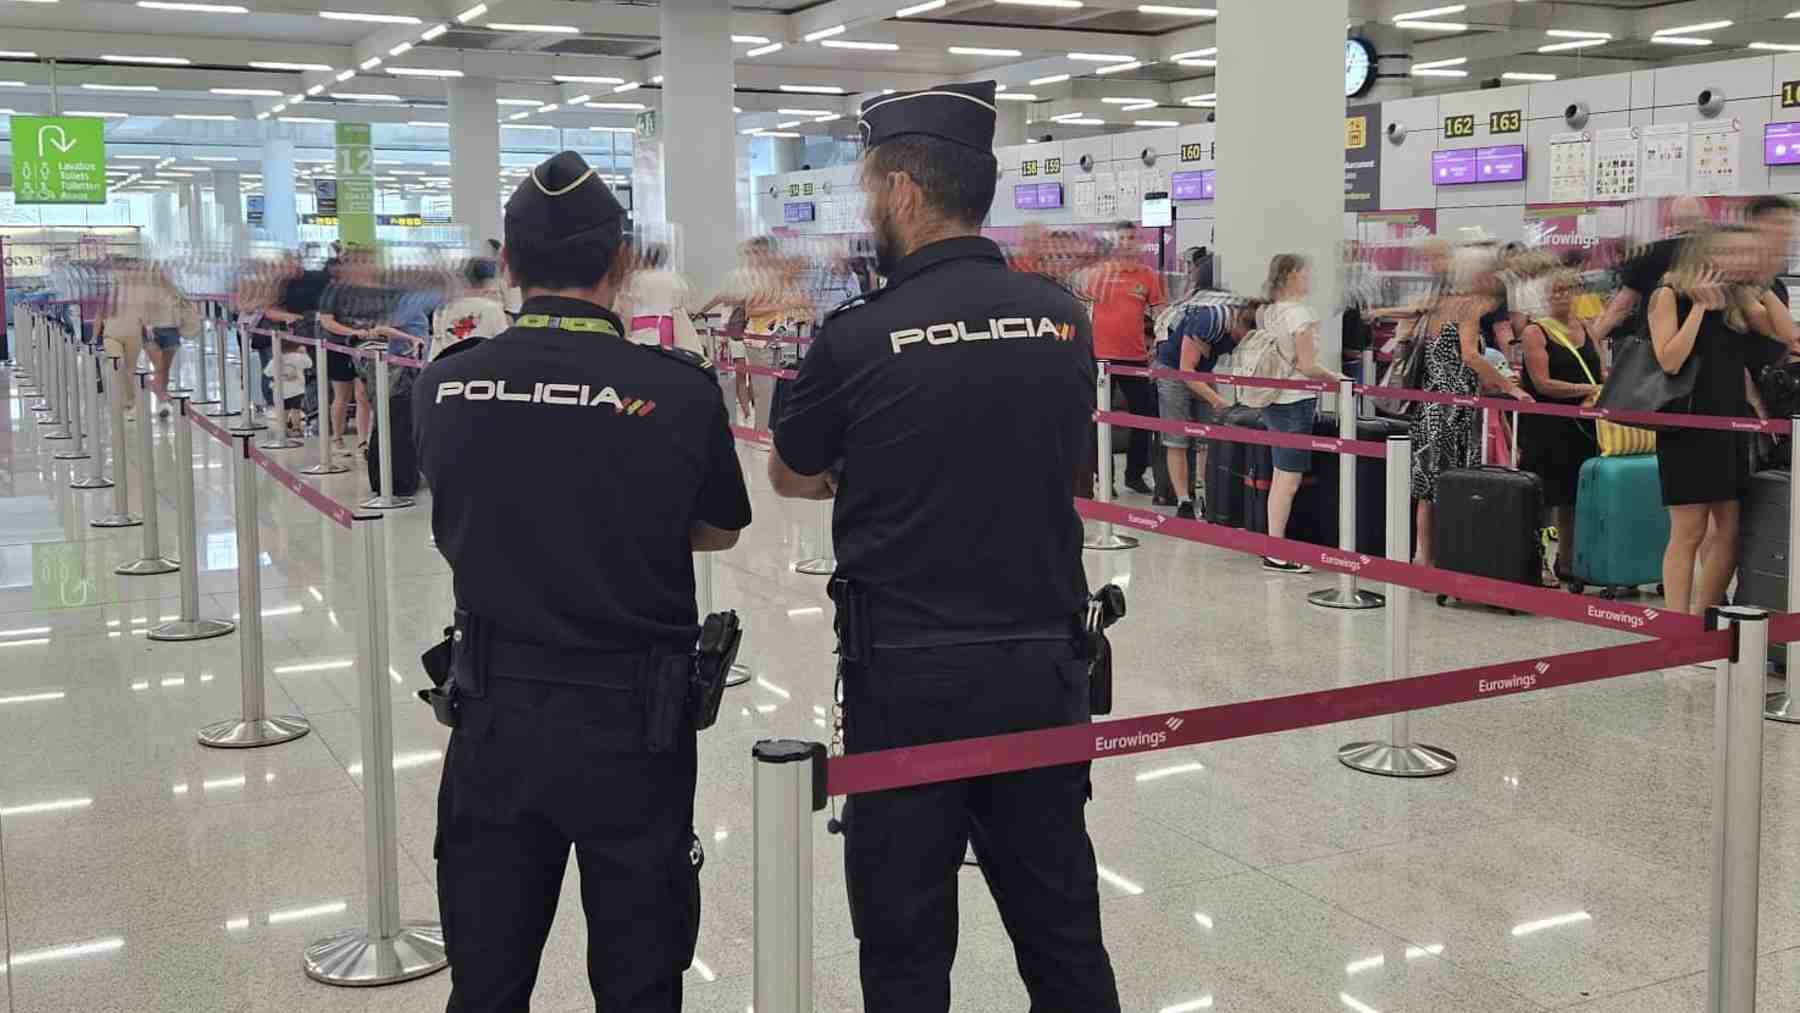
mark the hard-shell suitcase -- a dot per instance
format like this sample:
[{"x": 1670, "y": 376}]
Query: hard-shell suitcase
[
  {"x": 1487, "y": 522},
  {"x": 406, "y": 457},
  {"x": 1371, "y": 484},
  {"x": 1304, "y": 524},
  {"x": 1228, "y": 469},
  {"x": 1763, "y": 547},
  {"x": 1621, "y": 527}
]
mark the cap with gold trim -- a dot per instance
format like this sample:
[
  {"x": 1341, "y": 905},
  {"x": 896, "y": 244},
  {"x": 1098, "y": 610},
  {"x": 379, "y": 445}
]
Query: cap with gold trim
[
  {"x": 563, "y": 200},
  {"x": 960, "y": 113}
]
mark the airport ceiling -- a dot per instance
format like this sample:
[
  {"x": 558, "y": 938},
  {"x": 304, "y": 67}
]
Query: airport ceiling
[{"x": 572, "y": 63}]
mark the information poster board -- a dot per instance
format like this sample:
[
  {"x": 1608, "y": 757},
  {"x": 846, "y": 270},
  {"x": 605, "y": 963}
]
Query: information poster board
[
  {"x": 1665, "y": 159},
  {"x": 1616, "y": 164},
  {"x": 1717, "y": 151},
  {"x": 1571, "y": 166},
  {"x": 58, "y": 159},
  {"x": 1362, "y": 158},
  {"x": 355, "y": 185}
]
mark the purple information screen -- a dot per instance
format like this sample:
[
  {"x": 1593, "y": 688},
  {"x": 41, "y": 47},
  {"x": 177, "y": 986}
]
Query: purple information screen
[
  {"x": 798, "y": 212},
  {"x": 1192, "y": 185},
  {"x": 1781, "y": 144},
  {"x": 1459, "y": 166},
  {"x": 1038, "y": 196}
]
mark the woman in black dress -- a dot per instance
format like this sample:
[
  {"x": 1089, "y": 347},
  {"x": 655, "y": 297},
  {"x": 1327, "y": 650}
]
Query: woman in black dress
[
  {"x": 1711, "y": 305},
  {"x": 1562, "y": 366}
]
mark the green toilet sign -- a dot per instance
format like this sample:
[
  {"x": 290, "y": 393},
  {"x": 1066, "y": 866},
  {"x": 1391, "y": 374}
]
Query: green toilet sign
[{"x": 59, "y": 160}]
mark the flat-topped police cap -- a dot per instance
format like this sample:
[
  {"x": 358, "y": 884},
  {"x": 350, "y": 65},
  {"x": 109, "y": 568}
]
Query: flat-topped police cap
[
  {"x": 960, "y": 113},
  {"x": 563, "y": 200}
]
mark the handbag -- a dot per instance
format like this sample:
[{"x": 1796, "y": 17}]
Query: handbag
[
  {"x": 1639, "y": 383},
  {"x": 1615, "y": 439}
]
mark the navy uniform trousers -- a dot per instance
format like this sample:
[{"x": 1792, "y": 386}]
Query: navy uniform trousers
[
  {"x": 537, "y": 768},
  {"x": 903, "y": 848}
]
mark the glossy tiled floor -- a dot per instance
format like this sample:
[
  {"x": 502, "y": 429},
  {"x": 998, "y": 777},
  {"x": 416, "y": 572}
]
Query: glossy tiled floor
[{"x": 1563, "y": 866}]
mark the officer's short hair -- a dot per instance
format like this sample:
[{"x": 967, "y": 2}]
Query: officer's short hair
[
  {"x": 536, "y": 262},
  {"x": 956, "y": 179},
  {"x": 1767, "y": 204}
]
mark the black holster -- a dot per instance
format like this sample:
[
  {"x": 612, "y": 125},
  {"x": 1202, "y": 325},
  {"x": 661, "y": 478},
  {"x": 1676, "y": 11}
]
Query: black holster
[
  {"x": 665, "y": 700},
  {"x": 720, "y": 636},
  {"x": 852, "y": 619},
  {"x": 458, "y": 667},
  {"x": 1105, "y": 607}
]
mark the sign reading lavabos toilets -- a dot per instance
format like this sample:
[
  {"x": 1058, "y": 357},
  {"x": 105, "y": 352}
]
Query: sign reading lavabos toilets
[{"x": 59, "y": 160}]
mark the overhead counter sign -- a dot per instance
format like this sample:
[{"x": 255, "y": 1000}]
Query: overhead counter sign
[{"x": 59, "y": 160}]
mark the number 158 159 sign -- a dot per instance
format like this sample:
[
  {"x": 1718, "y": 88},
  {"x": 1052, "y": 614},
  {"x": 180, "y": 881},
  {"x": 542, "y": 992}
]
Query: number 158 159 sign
[{"x": 58, "y": 160}]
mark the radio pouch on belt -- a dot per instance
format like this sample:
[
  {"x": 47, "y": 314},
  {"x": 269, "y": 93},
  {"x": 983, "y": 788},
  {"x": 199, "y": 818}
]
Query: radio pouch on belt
[
  {"x": 457, "y": 667},
  {"x": 720, "y": 636},
  {"x": 436, "y": 661},
  {"x": 665, "y": 699},
  {"x": 1106, "y": 607},
  {"x": 852, "y": 621}
]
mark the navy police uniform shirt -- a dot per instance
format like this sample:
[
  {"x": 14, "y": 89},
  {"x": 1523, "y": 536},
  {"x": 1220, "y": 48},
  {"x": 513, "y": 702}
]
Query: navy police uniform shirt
[
  {"x": 567, "y": 468},
  {"x": 958, "y": 401}
]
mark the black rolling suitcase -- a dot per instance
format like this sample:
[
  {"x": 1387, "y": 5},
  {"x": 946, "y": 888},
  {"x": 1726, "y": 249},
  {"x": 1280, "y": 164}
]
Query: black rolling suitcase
[
  {"x": 1763, "y": 547},
  {"x": 1371, "y": 484},
  {"x": 1304, "y": 523},
  {"x": 1228, "y": 469},
  {"x": 1489, "y": 522},
  {"x": 406, "y": 455}
]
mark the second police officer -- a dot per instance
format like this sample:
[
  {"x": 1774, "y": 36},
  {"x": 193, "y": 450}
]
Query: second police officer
[
  {"x": 573, "y": 477},
  {"x": 959, "y": 569}
]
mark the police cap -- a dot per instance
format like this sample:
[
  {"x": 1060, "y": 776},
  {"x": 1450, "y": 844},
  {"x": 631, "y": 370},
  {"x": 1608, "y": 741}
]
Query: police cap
[
  {"x": 960, "y": 113},
  {"x": 561, "y": 201}
]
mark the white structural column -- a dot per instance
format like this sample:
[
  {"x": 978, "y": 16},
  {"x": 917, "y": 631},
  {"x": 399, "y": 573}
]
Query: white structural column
[
  {"x": 228, "y": 196},
  {"x": 698, "y": 137},
  {"x": 475, "y": 159},
  {"x": 1009, "y": 126},
  {"x": 162, "y": 219},
  {"x": 193, "y": 223},
  {"x": 1393, "y": 57},
  {"x": 281, "y": 219},
  {"x": 1281, "y": 146}
]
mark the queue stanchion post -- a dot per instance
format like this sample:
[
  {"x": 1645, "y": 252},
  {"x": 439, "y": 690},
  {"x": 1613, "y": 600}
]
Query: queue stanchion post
[
  {"x": 789, "y": 787},
  {"x": 222, "y": 408},
  {"x": 386, "y": 950},
  {"x": 247, "y": 421},
  {"x": 1106, "y": 538},
  {"x": 1365, "y": 405},
  {"x": 1346, "y": 595},
  {"x": 1781, "y": 705},
  {"x": 57, "y": 390},
  {"x": 703, "y": 588},
  {"x": 201, "y": 395},
  {"x": 175, "y": 386},
  {"x": 25, "y": 371},
  {"x": 74, "y": 421},
  {"x": 326, "y": 465},
  {"x": 824, "y": 562},
  {"x": 254, "y": 726},
  {"x": 384, "y": 499},
  {"x": 278, "y": 438},
  {"x": 1399, "y": 756},
  {"x": 96, "y": 456},
  {"x": 1737, "y": 809},
  {"x": 152, "y": 561},
  {"x": 189, "y": 625},
  {"x": 121, "y": 515}
]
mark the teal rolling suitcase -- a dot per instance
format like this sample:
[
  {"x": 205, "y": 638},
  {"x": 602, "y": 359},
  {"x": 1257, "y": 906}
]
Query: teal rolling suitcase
[{"x": 1621, "y": 526}]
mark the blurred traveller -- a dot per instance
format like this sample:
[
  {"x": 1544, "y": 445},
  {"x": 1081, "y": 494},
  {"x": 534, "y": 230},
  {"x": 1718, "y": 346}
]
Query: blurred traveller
[
  {"x": 1643, "y": 274},
  {"x": 1205, "y": 331},
  {"x": 1295, "y": 330},
  {"x": 959, "y": 569},
  {"x": 479, "y": 312},
  {"x": 1561, "y": 367},
  {"x": 576, "y": 631},
  {"x": 1126, "y": 292},
  {"x": 1772, "y": 216}
]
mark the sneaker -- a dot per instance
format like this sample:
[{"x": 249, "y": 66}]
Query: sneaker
[
  {"x": 1274, "y": 565},
  {"x": 1139, "y": 486},
  {"x": 1186, "y": 510},
  {"x": 1163, "y": 499}
]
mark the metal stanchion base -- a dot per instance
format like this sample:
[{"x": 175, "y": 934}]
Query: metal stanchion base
[
  {"x": 1333, "y": 598},
  {"x": 738, "y": 675},
  {"x": 325, "y": 469},
  {"x": 387, "y": 502},
  {"x": 279, "y": 443},
  {"x": 1108, "y": 543},
  {"x": 68, "y": 455},
  {"x": 241, "y": 429},
  {"x": 91, "y": 482},
  {"x": 819, "y": 566},
  {"x": 238, "y": 733},
  {"x": 354, "y": 960},
  {"x": 191, "y": 629},
  {"x": 64, "y": 435},
  {"x": 215, "y": 413},
  {"x": 1781, "y": 707},
  {"x": 200, "y": 400},
  {"x": 173, "y": 390},
  {"x": 149, "y": 566},
  {"x": 116, "y": 521},
  {"x": 1397, "y": 761}
]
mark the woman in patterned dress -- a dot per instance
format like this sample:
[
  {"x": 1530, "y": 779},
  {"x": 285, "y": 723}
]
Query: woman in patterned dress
[{"x": 1447, "y": 436}]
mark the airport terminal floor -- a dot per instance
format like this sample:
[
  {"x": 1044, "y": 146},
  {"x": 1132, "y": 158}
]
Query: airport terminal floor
[{"x": 1564, "y": 865}]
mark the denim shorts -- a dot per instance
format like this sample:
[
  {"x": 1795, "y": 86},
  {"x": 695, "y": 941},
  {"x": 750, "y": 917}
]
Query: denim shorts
[
  {"x": 166, "y": 337},
  {"x": 1291, "y": 418},
  {"x": 1176, "y": 403}
]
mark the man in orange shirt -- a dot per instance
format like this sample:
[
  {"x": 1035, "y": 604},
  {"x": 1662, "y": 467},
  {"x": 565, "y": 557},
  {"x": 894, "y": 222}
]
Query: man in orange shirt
[{"x": 1126, "y": 293}]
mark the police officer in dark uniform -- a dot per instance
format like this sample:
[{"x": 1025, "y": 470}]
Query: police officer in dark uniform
[
  {"x": 573, "y": 476},
  {"x": 959, "y": 570}
]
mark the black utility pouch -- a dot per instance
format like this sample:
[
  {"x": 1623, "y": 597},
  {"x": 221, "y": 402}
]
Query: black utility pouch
[
  {"x": 720, "y": 636},
  {"x": 665, "y": 700},
  {"x": 441, "y": 697},
  {"x": 1106, "y": 607}
]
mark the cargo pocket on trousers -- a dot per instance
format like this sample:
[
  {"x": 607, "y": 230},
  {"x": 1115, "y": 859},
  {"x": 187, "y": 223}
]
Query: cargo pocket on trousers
[
  {"x": 684, "y": 893},
  {"x": 1076, "y": 697}
]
